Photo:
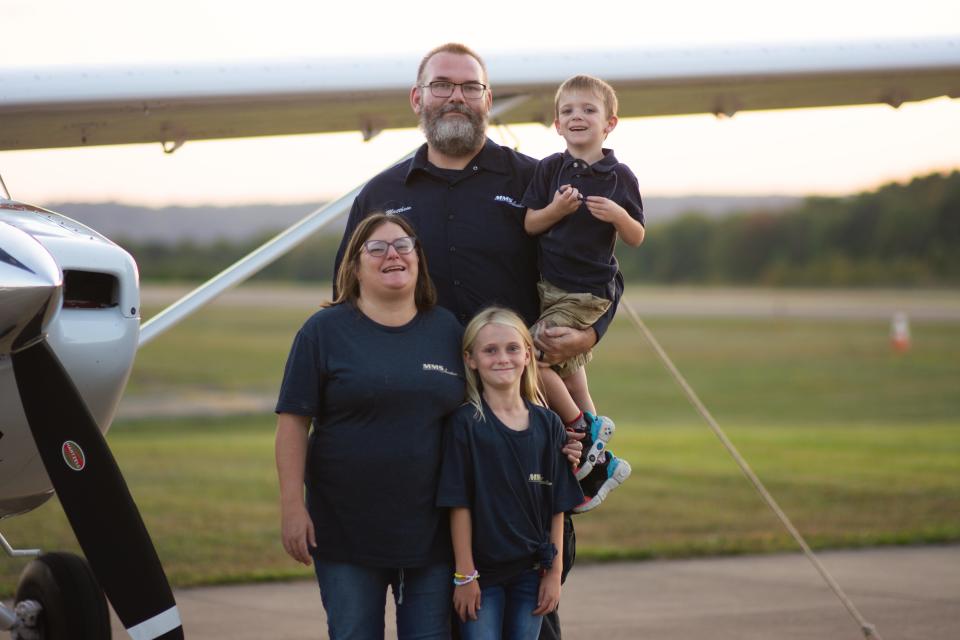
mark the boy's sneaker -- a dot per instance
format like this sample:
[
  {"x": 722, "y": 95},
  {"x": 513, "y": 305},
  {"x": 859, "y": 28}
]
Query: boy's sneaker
[
  {"x": 605, "y": 478},
  {"x": 599, "y": 431}
]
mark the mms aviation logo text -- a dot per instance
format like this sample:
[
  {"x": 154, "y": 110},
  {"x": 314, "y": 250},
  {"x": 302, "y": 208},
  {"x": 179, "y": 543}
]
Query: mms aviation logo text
[{"x": 508, "y": 200}]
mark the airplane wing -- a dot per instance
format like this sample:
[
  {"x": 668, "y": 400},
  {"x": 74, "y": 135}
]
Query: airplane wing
[{"x": 67, "y": 106}]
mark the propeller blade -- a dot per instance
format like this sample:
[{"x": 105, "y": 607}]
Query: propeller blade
[{"x": 95, "y": 497}]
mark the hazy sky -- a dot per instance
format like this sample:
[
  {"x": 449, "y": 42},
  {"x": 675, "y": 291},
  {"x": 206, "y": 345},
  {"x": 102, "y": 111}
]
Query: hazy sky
[{"x": 796, "y": 152}]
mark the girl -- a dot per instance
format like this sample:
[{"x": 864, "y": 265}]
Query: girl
[{"x": 507, "y": 483}]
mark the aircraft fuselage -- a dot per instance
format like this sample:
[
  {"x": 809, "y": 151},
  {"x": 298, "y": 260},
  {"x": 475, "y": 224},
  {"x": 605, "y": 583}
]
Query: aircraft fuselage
[{"x": 93, "y": 328}]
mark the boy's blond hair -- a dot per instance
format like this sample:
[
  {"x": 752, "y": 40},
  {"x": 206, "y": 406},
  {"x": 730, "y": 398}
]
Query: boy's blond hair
[
  {"x": 529, "y": 381},
  {"x": 594, "y": 85}
]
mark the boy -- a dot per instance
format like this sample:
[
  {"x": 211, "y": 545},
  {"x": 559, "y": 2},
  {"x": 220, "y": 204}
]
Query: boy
[{"x": 578, "y": 202}]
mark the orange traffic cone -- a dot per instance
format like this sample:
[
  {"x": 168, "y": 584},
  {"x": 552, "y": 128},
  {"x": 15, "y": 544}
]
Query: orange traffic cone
[{"x": 900, "y": 333}]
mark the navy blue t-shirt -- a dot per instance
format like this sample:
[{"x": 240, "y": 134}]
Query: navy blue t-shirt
[
  {"x": 576, "y": 253},
  {"x": 470, "y": 225},
  {"x": 512, "y": 481},
  {"x": 378, "y": 396}
]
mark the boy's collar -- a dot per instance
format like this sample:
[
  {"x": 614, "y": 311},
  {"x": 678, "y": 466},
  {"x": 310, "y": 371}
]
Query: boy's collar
[{"x": 603, "y": 165}]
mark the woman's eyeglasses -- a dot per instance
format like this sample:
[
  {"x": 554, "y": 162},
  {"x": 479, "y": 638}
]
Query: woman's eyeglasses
[{"x": 379, "y": 248}]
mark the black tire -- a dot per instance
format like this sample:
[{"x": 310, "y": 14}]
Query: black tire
[{"x": 74, "y": 607}]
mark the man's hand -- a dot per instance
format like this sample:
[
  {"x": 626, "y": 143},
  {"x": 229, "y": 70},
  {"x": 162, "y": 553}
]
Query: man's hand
[
  {"x": 562, "y": 343},
  {"x": 573, "y": 449}
]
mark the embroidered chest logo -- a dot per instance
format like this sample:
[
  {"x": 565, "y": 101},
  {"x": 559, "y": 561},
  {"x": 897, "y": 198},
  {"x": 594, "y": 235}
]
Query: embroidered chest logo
[
  {"x": 439, "y": 368},
  {"x": 401, "y": 209},
  {"x": 508, "y": 200},
  {"x": 536, "y": 478}
]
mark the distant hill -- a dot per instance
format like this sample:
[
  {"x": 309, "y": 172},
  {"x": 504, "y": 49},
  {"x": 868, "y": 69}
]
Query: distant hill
[
  {"x": 208, "y": 224},
  {"x": 663, "y": 209},
  {"x": 897, "y": 235},
  {"x": 202, "y": 225}
]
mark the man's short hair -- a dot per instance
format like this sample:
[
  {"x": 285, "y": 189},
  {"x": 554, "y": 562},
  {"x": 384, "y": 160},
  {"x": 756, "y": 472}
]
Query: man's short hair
[
  {"x": 584, "y": 82},
  {"x": 454, "y": 48}
]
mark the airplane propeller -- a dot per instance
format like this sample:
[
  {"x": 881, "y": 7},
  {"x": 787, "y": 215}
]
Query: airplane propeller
[{"x": 74, "y": 452}]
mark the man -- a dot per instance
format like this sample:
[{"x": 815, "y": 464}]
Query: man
[{"x": 462, "y": 192}]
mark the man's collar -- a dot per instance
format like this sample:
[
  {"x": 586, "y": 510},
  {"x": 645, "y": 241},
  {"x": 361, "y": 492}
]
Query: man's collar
[
  {"x": 605, "y": 164},
  {"x": 419, "y": 163},
  {"x": 492, "y": 157}
]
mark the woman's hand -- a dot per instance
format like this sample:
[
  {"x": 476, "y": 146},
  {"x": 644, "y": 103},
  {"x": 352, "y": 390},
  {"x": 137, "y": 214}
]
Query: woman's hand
[
  {"x": 296, "y": 532},
  {"x": 549, "y": 596},
  {"x": 466, "y": 600},
  {"x": 296, "y": 528}
]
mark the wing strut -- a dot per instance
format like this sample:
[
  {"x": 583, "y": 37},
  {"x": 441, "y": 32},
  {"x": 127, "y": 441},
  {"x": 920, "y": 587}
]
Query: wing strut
[{"x": 272, "y": 250}]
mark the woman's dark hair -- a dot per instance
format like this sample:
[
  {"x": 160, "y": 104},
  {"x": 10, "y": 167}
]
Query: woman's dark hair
[{"x": 348, "y": 284}]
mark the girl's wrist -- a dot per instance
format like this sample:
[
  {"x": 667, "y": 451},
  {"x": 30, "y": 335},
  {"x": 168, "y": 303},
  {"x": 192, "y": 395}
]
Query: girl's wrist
[
  {"x": 551, "y": 575},
  {"x": 461, "y": 579}
]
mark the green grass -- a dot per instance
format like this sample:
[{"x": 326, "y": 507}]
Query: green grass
[
  {"x": 860, "y": 446},
  {"x": 219, "y": 348}
]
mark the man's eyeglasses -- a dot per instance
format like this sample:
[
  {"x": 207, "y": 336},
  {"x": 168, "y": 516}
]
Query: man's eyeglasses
[
  {"x": 379, "y": 248},
  {"x": 444, "y": 89}
]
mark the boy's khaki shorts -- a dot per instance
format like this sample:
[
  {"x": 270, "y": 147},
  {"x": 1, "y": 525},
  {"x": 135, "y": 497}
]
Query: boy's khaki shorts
[{"x": 559, "y": 308}]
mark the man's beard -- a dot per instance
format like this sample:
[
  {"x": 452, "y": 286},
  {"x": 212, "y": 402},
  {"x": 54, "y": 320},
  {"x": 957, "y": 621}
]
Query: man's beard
[{"x": 456, "y": 137}]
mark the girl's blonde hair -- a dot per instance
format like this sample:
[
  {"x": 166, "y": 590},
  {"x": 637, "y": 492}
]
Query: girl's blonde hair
[{"x": 529, "y": 381}]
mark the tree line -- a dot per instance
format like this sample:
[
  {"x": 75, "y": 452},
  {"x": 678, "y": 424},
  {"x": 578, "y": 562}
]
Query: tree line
[{"x": 899, "y": 235}]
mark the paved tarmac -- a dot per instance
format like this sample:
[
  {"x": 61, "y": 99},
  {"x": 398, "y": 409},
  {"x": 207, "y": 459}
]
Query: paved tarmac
[{"x": 906, "y": 593}]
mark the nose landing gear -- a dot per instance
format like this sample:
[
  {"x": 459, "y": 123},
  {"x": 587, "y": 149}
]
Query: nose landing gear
[{"x": 58, "y": 598}]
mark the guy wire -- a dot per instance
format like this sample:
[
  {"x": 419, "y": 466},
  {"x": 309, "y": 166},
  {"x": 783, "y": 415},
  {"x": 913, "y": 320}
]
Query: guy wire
[{"x": 869, "y": 631}]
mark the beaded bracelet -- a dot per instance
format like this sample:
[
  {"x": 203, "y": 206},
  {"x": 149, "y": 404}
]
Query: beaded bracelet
[{"x": 459, "y": 579}]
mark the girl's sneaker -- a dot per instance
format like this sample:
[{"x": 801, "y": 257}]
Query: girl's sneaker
[
  {"x": 599, "y": 431},
  {"x": 605, "y": 478}
]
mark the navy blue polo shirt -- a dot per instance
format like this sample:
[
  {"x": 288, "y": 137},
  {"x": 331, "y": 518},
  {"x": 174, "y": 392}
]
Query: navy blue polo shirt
[
  {"x": 576, "y": 253},
  {"x": 513, "y": 482},
  {"x": 470, "y": 225},
  {"x": 378, "y": 396}
]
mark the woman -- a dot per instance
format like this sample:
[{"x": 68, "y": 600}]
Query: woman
[{"x": 374, "y": 372}]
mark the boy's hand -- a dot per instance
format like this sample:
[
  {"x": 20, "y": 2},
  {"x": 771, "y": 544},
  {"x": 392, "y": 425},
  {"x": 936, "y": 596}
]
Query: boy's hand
[
  {"x": 567, "y": 200},
  {"x": 605, "y": 209},
  {"x": 466, "y": 600},
  {"x": 549, "y": 596}
]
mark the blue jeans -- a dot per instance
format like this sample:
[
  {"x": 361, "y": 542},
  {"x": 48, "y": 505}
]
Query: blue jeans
[
  {"x": 506, "y": 611},
  {"x": 354, "y": 598}
]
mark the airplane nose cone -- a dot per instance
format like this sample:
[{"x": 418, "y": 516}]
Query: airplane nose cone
[{"x": 31, "y": 289}]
